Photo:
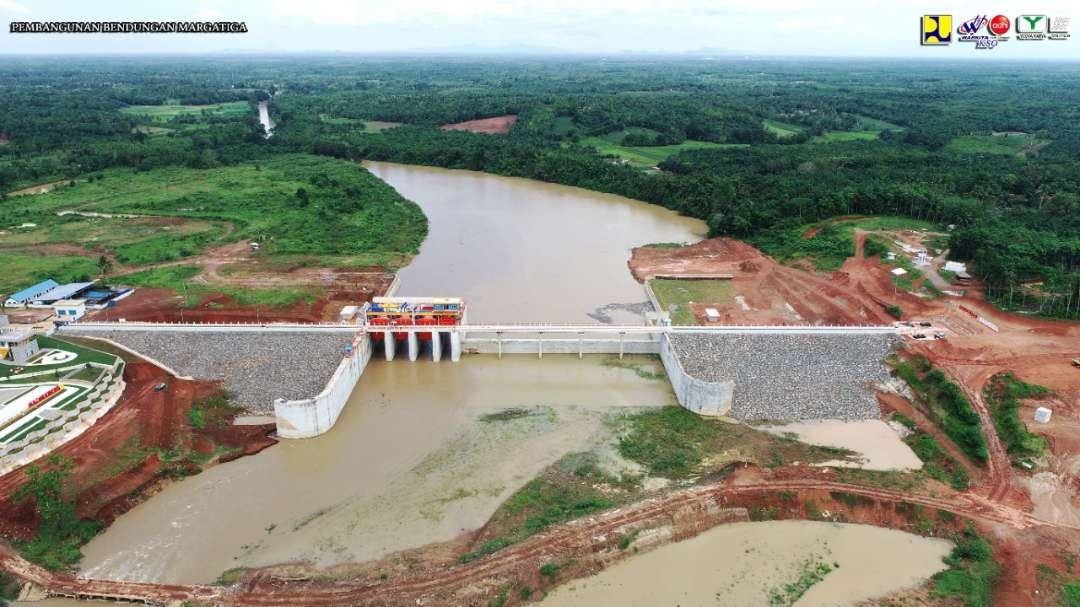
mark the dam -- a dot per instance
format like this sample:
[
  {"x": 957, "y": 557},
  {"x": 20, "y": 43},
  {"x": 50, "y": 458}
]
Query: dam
[{"x": 410, "y": 459}]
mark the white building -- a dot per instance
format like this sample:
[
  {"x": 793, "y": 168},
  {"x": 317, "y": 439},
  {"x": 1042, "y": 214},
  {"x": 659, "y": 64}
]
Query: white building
[{"x": 70, "y": 310}]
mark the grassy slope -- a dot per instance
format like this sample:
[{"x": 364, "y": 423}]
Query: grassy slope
[{"x": 348, "y": 212}]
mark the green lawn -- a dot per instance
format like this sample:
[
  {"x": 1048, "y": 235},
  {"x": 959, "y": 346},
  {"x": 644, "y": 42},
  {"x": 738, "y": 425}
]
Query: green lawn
[
  {"x": 681, "y": 293},
  {"x": 83, "y": 355},
  {"x": 164, "y": 113},
  {"x": 782, "y": 129}
]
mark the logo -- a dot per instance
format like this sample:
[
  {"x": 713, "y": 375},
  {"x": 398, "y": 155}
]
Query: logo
[
  {"x": 1031, "y": 27},
  {"x": 972, "y": 26},
  {"x": 971, "y": 31},
  {"x": 936, "y": 30},
  {"x": 999, "y": 25},
  {"x": 1059, "y": 28}
]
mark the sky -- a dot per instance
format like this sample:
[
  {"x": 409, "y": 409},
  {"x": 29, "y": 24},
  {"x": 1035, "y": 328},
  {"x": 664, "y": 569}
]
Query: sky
[{"x": 838, "y": 28}]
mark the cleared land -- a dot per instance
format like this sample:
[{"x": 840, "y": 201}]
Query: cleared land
[
  {"x": 782, "y": 129},
  {"x": 164, "y": 113},
  {"x": 498, "y": 125},
  {"x": 680, "y": 296},
  {"x": 297, "y": 207},
  {"x": 1000, "y": 144},
  {"x": 646, "y": 156}
]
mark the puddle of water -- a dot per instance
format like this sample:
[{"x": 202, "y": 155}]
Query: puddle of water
[
  {"x": 408, "y": 463},
  {"x": 520, "y": 250},
  {"x": 879, "y": 446},
  {"x": 738, "y": 565}
]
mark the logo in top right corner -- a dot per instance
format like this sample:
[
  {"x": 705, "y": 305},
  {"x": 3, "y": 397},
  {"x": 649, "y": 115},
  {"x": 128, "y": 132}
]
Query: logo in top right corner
[
  {"x": 1059, "y": 28},
  {"x": 1042, "y": 27}
]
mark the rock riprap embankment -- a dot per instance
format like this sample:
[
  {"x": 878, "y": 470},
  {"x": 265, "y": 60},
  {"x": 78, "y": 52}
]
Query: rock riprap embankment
[
  {"x": 791, "y": 377},
  {"x": 255, "y": 368}
]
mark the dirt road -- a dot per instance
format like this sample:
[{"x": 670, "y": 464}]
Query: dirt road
[{"x": 450, "y": 584}]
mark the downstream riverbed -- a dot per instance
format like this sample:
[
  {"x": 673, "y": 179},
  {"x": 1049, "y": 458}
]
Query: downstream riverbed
[
  {"x": 746, "y": 564},
  {"x": 410, "y": 461}
]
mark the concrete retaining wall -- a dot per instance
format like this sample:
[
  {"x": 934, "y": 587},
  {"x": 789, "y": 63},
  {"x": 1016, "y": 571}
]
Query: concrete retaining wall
[
  {"x": 700, "y": 396},
  {"x": 308, "y": 417}
]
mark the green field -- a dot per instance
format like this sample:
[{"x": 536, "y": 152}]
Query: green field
[
  {"x": 164, "y": 113},
  {"x": 833, "y": 136},
  {"x": 378, "y": 126},
  {"x": 782, "y": 129},
  {"x": 867, "y": 123},
  {"x": 675, "y": 296},
  {"x": 24, "y": 269},
  {"x": 647, "y": 156},
  {"x": 996, "y": 145},
  {"x": 297, "y": 205}
]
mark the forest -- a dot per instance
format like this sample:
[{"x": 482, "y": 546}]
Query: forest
[{"x": 990, "y": 150}]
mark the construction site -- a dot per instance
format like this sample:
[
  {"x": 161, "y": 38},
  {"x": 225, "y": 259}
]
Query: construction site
[{"x": 416, "y": 445}]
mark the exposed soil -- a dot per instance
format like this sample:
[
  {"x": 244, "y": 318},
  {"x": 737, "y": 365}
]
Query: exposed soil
[
  {"x": 1036, "y": 350},
  {"x": 40, "y": 188},
  {"x": 498, "y": 125},
  {"x": 432, "y": 576},
  {"x": 166, "y": 305},
  {"x": 766, "y": 293},
  {"x": 117, "y": 460}
]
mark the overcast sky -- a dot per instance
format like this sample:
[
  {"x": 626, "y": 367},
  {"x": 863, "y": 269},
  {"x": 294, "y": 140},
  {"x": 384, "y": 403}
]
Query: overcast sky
[{"x": 767, "y": 27}]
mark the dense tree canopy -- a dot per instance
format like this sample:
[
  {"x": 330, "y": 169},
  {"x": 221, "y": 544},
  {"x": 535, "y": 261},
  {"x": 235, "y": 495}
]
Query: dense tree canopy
[{"x": 748, "y": 145}]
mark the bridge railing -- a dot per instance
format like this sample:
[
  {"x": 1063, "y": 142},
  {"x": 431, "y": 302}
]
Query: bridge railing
[{"x": 521, "y": 327}]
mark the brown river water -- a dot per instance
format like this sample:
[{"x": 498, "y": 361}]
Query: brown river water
[
  {"x": 411, "y": 461},
  {"x": 408, "y": 462}
]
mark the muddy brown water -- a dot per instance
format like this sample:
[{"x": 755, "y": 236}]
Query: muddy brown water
[
  {"x": 744, "y": 564},
  {"x": 409, "y": 462},
  {"x": 525, "y": 251}
]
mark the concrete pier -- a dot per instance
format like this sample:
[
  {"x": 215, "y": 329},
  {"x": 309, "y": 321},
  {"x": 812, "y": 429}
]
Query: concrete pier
[
  {"x": 455, "y": 346},
  {"x": 390, "y": 345},
  {"x": 436, "y": 346},
  {"x": 414, "y": 347}
]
